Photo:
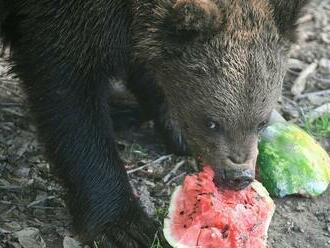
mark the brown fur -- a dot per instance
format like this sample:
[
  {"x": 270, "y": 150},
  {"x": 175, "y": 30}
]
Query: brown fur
[
  {"x": 197, "y": 15},
  {"x": 210, "y": 70},
  {"x": 231, "y": 75},
  {"x": 208, "y": 6},
  {"x": 246, "y": 20}
]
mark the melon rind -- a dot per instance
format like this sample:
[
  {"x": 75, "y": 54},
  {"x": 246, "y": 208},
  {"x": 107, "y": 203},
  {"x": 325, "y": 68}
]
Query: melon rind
[
  {"x": 262, "y": 191},
  {"x": 167, "y": 221},
  {"x": 292, "y": 162}
]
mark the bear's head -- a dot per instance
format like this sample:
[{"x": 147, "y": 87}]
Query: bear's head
[{"x": 221, "y": 65}]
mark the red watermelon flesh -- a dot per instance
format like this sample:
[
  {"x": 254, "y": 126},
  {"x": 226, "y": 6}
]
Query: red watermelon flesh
[{"x": 201, "y": 215}]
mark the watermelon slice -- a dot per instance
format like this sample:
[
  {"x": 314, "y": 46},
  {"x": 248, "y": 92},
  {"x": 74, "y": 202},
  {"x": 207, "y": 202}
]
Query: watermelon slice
[{"x": 201, "y": 215}]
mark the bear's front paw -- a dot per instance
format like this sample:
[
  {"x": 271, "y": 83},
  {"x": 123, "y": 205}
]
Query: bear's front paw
[{"x": 138, "y": 234}]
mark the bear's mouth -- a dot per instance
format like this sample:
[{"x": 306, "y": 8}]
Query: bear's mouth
[{"x": 231, "y": 176}]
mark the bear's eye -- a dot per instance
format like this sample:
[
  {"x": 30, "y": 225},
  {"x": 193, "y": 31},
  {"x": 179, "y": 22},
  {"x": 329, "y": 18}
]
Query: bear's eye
[
  {"x": 262, "y": 126},
  {"x": 213, "y": 125}
]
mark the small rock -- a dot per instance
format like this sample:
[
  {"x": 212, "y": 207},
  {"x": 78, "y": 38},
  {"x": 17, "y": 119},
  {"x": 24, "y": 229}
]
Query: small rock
[
  {"x": 327, "y": 228},
  {"x": 30, "y": 238},
  {"x": 325, "y": 38},
  {"x": 324, "y": 65},
  {"x": 13, "y": 226},
  {"x": 308, "y": 36},
  {"x": 71, "y": 243},
  {"x": 296, "y": 228},
  {"x": 22, "y": 172}
]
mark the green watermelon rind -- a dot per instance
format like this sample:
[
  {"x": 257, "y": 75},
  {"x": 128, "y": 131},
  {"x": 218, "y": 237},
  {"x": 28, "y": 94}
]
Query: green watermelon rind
[
  {"x": 262, "y": 191},
  {"x": 167, "y": 221},
  {"x": 292, "y": 162}
]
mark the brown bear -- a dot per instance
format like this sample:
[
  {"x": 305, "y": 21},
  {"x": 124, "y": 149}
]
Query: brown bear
[{"x": 209, "y": 72}]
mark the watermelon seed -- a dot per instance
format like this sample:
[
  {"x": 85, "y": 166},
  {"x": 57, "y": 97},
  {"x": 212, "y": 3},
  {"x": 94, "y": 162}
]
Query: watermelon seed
[
  {"x": 254, "y": 227},
  {"x": 258, "y": 197},
  {"x": 207, "y": 193},
  {"x": 225, "y": 232},
  {"x": 182, "y": 212},
  {"x": 244, "y": 238},
  {"x": 184, "y": 226}
]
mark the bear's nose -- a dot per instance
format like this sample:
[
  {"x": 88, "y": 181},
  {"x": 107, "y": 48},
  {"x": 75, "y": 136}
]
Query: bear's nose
[
  {"x": 238, "y": 158},
  {"x": 234, "y": 179}
]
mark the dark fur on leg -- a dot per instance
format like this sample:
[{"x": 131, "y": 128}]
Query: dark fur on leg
[{"x": 65, "y": 66}]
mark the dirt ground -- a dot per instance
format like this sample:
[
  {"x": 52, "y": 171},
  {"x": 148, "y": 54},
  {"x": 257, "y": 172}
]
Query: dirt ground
[{"x": 32, "y": 210}]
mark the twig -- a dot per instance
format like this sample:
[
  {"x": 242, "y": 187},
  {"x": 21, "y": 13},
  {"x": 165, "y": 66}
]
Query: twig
[
  {"x": 157, "y": 161},
  {"x": 13, "y": 112},
  {"x": 296, "y": 65},
  {"x": 9, "y": 104},
  {"x": 41, "y": 207},
  {"x": 314, "y": 94},
  {"x": 300, "y": 83},
  {"x": 11, "y": 209},
  {"x": 173, "y": 171},
  {"x": 305, "y": 18},
  {"x": 11, "y": 188},
  {"x": 323, "y": 80},
  {"x": 32, "y": 204},
  {"x": 293, "y": 72},
  {"x": 9, "y": 81},
  {"x": 176, "y": 178}
]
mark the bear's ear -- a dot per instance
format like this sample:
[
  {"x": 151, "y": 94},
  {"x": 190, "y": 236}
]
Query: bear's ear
[
  {"x": 286, "y": 13},
  {"x": 196, "y": 16}
]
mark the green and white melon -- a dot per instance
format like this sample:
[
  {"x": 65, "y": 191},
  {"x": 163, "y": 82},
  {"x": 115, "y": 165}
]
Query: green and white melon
[{"x": 292, "y": 162}]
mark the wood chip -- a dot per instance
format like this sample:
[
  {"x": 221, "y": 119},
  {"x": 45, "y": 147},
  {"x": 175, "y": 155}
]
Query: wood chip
[
  {"x": 173, "y": 171},
  {"x": 300, "y": 83},
  {"x": 157, "y": 161}
]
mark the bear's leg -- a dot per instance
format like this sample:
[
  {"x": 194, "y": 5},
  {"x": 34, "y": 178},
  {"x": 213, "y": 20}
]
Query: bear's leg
[
  {"x": 75, "y": 125},
  {"x": 152, "y": 99},
  {"x": 66, "y": 83}
]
